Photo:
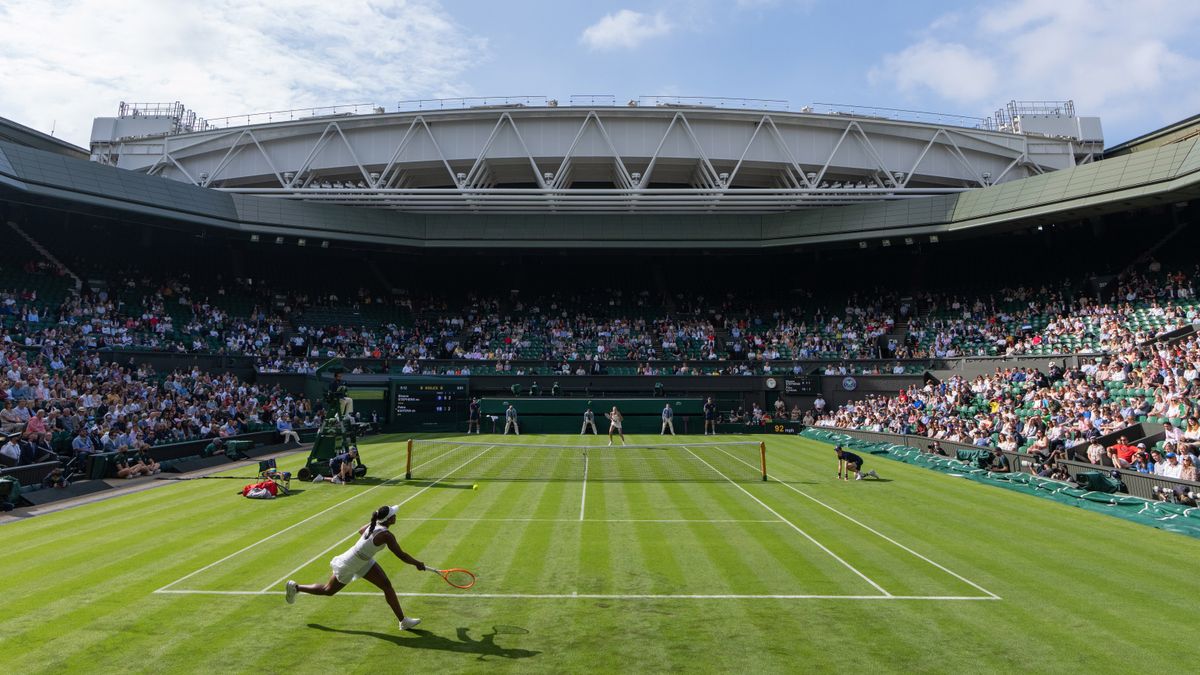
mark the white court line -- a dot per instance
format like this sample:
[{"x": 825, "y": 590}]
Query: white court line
[
  {"x": 606, "y": 596},
  {"x": 339, "y": 542},
  {"x": 583, "y": 492},
  {"x": 269, "y": 537},
  {"x": 794, "y": 527},
  {"x": 872, "y": 530},
  {"x": 591, "y": 520}
]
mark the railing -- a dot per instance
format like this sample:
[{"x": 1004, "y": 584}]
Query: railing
[
  {"x": 465, "y": 102},
  {"x": 904, "y": 115},
  {"x": 293, "y": 114},
  {"x": 724, "y": 102},
  {"x": 187, "y": 121}
]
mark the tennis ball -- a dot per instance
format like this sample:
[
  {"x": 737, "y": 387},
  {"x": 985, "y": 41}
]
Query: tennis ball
[{"x": 475, "y": 486}]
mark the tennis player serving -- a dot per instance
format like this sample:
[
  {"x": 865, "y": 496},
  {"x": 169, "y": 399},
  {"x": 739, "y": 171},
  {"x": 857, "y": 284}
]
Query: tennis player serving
[{"x": 359, "y": 561}]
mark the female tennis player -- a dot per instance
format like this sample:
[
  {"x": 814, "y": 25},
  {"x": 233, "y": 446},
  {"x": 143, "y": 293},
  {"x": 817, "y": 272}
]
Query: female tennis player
[
  {"x": 614, "y": 424},
  {"x": 359, "y": 561}
]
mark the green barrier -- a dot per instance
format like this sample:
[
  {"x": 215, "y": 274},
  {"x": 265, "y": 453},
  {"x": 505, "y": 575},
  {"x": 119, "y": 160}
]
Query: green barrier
[
  {"x": 10, "y": 489},
  {"x": 1162, "y": 515}
]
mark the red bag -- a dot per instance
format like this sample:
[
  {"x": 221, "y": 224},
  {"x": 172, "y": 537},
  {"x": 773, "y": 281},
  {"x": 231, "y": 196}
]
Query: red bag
[{"x": 268, "y": 485}]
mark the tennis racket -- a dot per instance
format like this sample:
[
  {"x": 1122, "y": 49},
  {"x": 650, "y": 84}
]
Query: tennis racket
[{"x": 456, "y": 577}]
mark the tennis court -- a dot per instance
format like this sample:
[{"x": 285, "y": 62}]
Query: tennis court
[
  {"x": 578, "y": 519},
  {"x": 621, "y": 559}
]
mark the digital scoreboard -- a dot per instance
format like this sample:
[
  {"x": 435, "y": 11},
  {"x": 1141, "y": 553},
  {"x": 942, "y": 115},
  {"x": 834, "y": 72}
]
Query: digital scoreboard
[
  {"x": 800, "y": 384},
  {"x": 426, "y": 401}
]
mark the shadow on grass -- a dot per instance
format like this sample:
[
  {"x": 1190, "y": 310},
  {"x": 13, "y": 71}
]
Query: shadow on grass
[{"x": 484, "y": 647}]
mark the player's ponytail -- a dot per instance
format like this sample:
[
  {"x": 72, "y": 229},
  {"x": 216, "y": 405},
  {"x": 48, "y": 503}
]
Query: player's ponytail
[
  {"x": 381, "y": 514},
  {"x": 374, "y": 520}
]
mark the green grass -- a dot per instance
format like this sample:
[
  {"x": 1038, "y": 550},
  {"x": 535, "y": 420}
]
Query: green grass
[{"x": 1078, "y": 591}]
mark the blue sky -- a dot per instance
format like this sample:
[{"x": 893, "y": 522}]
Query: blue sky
[{"x": 1135, "y": 64}]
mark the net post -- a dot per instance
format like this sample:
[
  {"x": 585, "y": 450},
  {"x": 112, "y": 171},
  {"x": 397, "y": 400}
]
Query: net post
[
  {"x": 762, "y": 453},
  {"x": 408, "y": 462}
]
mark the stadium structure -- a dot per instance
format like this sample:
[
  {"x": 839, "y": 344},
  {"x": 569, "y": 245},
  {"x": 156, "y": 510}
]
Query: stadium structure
[{"x": 999, "y": 300}]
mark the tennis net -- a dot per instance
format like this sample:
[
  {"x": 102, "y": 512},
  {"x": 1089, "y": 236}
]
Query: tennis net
[{"x": 737, "y": 461}]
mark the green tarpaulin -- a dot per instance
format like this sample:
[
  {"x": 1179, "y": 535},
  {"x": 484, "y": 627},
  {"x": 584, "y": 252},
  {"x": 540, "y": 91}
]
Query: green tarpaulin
[{"x": 1101, "y": 497}]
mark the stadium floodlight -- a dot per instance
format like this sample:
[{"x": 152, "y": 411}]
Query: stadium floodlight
[
  {"x": 460, "y": 177},
  {"x": 301, "y": 242},
  {"x": 325, "y": 244},
  {"x": 933, "y": 239},
  {"x": 886, "y": 243},
  {"x": 278, "y": 240},
  {"x": 723, "y": 177},
  {"x": 908, "y": 241},
  {"x": 548, "y": 176},
  {"x": 254, "y": 238},
  {"x": 862, "y": 244}
]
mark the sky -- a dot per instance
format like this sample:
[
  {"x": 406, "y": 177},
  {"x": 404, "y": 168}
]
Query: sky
[{"x": 1135, "y": 64}]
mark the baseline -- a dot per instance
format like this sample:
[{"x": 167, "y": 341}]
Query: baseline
[{"x": 605, "y": 596}]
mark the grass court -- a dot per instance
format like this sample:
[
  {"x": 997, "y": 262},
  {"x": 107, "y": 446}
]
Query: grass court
[{"x": 630, "y": 560}]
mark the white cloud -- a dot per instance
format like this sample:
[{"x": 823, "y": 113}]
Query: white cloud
[
  {"x": 763, "y": 4},
  {"x": 66, "y": 62},
  {"x": 950, "y": 70},
  {"x": 625, "y": 29},
  {"x": 1125, "y": 61}
]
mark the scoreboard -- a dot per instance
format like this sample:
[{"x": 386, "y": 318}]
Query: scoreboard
[
  {"x": 801, "y": 384},
  {"x": 424, "y": 401}
]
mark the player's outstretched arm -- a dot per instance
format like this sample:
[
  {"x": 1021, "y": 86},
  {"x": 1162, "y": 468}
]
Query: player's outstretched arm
[{"x": 394, "y": 547}]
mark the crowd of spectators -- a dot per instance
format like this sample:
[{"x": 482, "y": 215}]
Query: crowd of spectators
[
  {"x": 1059, "y": 412},
  {"x": 62, "y": 403}
]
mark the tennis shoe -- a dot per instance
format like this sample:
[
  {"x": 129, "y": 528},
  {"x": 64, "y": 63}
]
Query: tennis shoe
[
  {"x": 858, "y": 476},
  {"x": 290, "y": 594},
  {"x": 872, "y": 474},
  {"x": 335, "y": 480},
  {"x": 610, "y": 444},
  {"x": 409, "y": 623}
]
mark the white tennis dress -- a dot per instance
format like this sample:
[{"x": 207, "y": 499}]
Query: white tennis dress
[
  {"x": 616, "y": 420},
  {"x": 358, "y": 560}
]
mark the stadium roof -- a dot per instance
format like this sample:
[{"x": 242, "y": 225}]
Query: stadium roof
[
  {"x": 1172, "y": 133},
  {"x": 1164, "y": 175},
  {"x": 20, "y": 134}
]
